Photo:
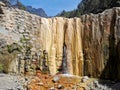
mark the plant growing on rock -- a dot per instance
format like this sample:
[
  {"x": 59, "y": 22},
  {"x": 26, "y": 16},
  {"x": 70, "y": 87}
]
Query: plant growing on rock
[{"x": 26, "y": 49}]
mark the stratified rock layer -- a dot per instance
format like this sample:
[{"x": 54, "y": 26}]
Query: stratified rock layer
[{"x": 91, "y": 42}]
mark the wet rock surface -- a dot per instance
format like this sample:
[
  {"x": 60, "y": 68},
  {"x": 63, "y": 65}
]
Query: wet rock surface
[
  {"x": 64, "y": 83},
  {"x": 45, "y": 82},
  {"x": 70, "y": 82}
]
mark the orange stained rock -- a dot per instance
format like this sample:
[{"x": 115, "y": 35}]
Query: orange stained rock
[{"x": 45, "y": 82}]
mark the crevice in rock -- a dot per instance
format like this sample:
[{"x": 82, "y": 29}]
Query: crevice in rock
[
  {"x": 110, "y": 71},
  {"x": 64, "y": 56},
  {"x": 64, "y": 60},
  {"x": 1, "y": 11}
]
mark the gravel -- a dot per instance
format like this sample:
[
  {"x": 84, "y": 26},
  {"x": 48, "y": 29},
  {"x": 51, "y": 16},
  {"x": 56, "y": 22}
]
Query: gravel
[
  {"x": 96, "y": 85},
  {"x": 16, "y": 82},
  {"x": 11, "y": 82}
]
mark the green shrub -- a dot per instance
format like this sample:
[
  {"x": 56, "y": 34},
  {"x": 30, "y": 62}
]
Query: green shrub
[{"x": 14, "y": 47}]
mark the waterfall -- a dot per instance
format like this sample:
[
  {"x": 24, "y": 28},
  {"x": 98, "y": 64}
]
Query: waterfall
[{"x": 64, "y": 60}]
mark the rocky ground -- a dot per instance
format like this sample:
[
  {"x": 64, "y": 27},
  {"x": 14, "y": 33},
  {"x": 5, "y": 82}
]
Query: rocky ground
[
  {"x": 57, "y": 82},
  {"x": 12, "y": 82},
  {"x": 69, "y": 82}
]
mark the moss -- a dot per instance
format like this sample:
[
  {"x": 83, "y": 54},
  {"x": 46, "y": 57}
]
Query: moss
[
  {"x": 7, "y": 55},
  {"x": 1, "y": 67},
  {"x": 23, "y": 40},
  {"x": 5, "y": 61},
  {"x": 14, "y": 47}
]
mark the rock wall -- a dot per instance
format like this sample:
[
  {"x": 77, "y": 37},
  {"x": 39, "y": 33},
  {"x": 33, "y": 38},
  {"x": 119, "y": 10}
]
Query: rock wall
[{"x": 88, "y": 45}]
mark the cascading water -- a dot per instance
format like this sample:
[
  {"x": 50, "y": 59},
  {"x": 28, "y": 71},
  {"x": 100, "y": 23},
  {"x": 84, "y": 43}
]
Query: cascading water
[{"x": 64, "y": 60}]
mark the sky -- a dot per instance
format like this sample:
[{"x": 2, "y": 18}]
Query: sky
[{"x": 52, "y": 7}]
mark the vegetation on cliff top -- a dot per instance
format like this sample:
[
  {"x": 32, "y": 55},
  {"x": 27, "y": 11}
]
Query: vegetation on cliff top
[{"x": 90, "y": 6}]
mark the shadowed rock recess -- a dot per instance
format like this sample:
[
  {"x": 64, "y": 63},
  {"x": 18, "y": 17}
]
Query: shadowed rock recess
[{"x": 89, "y": 45}]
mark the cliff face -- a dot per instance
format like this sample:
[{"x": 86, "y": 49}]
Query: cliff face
[{"x": 88, "y": 45}]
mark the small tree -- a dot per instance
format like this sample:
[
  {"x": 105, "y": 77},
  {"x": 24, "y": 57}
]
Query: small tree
[{"x": 20, "y": 5}]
